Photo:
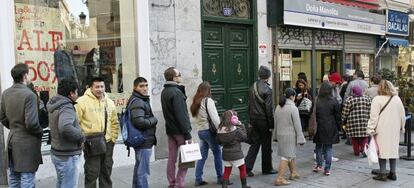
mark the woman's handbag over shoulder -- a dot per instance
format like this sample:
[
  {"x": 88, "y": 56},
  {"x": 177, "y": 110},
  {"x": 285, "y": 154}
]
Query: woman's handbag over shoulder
[
  {"x": 95, "y": 143},
  {"x": 211, "y": 127}
]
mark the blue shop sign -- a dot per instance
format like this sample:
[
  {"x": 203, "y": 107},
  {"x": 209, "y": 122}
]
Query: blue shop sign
[{"x": 397, "y": 23}]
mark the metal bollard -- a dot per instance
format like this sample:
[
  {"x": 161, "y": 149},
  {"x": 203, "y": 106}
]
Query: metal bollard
[{"x": 408, "y": 133}]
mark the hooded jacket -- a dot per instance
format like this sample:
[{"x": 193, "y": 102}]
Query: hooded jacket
[
  {"x": 91, "y": 114},
  {"x": 174, "y": 108},
  {"x": 67, "y": 137},
  {"x": 143, "y": 119}
]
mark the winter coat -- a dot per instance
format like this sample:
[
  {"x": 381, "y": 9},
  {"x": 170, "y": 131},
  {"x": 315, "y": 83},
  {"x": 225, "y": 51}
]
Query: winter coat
[
  {"x": 288, "y": 129},
  {"x": 19, "y": 113},
  {"x": 67, "y": 137},
  {"x": 64, "y": 67},
  {"x": 355, "y": 114},
  {"x": 231, "y": 142},
  {"x": 261, "y": 111},
  {"x": 328, "y": 119},
  {"x": 387, "y": 126},
  {"x": 143, "y": 119},
  {"x": 174, "y": 108},
  {"x": 201, "y": 119},
  {"x": 91, "y": 114}
]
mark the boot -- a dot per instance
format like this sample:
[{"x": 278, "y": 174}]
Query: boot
[
  {"x": 280, "y": 180},
  {"x": 380, "y": 177},
  {"x": 224, "y": 184},
  {"x": 392, "y": 176},
  {"x": 293, "y": 171},
  {"x": 244, "y": 183}
]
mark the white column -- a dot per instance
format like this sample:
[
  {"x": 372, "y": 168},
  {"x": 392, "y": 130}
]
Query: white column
[
  {"x": 7, "y": 55},
  {"x": 143, "y": 45}
]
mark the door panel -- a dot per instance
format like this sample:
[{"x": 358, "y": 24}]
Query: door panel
[{"x": 227, "y": 63}]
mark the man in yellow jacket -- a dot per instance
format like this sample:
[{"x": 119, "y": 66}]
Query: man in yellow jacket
[{"x": 91, "y": 109}]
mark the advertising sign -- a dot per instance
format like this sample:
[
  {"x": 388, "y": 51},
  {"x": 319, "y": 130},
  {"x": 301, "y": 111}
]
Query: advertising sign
[
  {"x": 39, "y": 30},
  {"x": 319, "y": 14},
  {"x": 397, "y": 23}
]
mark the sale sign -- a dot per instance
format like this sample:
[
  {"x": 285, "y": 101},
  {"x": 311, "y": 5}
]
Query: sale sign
[{"x": 39, "y": 31}]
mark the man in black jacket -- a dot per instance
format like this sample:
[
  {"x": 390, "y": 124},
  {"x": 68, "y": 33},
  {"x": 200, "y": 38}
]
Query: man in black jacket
[
  {"x": 143, "y": 119},
  {"x": 177, "y": 123},
  {"x": 261, "y": 120}
]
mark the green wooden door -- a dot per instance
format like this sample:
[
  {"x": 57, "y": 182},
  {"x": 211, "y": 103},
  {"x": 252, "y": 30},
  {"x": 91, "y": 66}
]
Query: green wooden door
[{"x": 227, "y": 65}]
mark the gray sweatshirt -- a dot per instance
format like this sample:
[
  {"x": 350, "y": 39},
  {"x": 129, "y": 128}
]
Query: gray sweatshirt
[{"x": 67, "y": 137}]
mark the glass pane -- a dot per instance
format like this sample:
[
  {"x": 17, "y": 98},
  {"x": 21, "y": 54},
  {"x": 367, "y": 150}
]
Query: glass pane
[{"x": 228, "y": 8}]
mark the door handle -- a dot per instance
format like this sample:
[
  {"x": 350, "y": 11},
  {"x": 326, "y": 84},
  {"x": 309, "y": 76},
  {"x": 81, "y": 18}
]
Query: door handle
[{"x": 240, "y": 100}]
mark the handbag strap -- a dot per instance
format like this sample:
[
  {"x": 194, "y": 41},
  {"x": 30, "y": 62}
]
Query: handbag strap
[
  {"x": 106, "y": 119},
  {"x": 382, "y": 109},
  {"x": 256, "y": 93},
  {"x": 208, "y": 115}
]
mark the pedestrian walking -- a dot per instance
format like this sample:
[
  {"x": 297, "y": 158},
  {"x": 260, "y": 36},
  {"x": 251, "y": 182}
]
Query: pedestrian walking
[
  {"x": 143, "y": 119},
  {"x": 261, "y": 119},
  {"x": 328, "y": 119},
  {"x": 66, "y": 135},
  {"x": 21, "y": 118},
  {"x": 336, "y": 81},
  {"x": 358, "y": 79},
  {"x": 177, "y": 124},
  {"x": 204, "y": 110},
  {"x": 355, "y": 114},
  {"x": 372, "y": 91},
  {"x": 99, "y": 122},
  {"x": 230, "y": 134},
  {"x": 387, "y": 120},
  {"x": 289, "y": 134}
]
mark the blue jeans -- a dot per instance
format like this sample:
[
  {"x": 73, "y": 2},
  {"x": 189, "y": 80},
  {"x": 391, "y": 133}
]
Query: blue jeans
[
  {"x": 142, "y": 168},
  {"x": 67, "y": 170},
  {"x": 208, "y": 141},
  {"x": 324, "y": 150},
  {"x": 21, "y": 179}
]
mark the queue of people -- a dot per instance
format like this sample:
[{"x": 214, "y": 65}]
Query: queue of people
[{"x": 89, "y": 125}]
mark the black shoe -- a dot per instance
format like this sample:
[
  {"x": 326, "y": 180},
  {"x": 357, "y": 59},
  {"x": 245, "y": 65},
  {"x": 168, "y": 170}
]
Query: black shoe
[
  {"x": 392, "y": 176},
  {"x": 380, "y": 177},
  {"x": 200, "y": 183},
  {"x": 270, "y": 172},
  {"x": 250, "y": 174},
  {"x": 220, "y": 182},
  {"x": 363, "y": 155}
]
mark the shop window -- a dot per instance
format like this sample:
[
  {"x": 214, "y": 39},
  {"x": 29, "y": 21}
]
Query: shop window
[{"x": 77, "y": 39}]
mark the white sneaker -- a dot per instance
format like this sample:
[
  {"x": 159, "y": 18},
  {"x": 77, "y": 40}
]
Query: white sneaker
[{"x": 334, "y": 159}]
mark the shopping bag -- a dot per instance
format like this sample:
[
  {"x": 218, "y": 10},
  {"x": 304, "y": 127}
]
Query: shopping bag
[
  {"x": 190, "y": 152},
  {"x": 371, "y": 150},
  {"x": 185, "y": 165}
]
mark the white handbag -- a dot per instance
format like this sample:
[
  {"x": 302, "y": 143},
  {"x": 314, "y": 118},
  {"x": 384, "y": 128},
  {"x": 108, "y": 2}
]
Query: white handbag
[{"x": 190, "y": 152}]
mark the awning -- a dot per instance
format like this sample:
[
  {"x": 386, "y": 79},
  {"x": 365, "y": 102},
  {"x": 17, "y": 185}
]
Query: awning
[{"x": 398, "y": 42}]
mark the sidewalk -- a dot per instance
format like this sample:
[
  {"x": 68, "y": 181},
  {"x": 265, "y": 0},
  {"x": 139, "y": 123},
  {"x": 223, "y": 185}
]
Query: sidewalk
[{"x": 349, "y": 171}]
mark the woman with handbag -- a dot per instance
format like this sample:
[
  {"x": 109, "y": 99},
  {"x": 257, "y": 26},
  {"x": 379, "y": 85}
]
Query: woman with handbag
[
  {"x": 303, "y": 100},
  {"x": 289, "y": 134},
  {"x": 204, "y": 111},
  {"x": 387, "y": 119}
]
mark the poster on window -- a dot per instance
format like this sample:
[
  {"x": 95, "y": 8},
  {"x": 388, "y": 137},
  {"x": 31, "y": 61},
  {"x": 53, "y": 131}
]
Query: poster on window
[
  {"x": 364, "y": 62},
  {"x": 39, "y": 31}
]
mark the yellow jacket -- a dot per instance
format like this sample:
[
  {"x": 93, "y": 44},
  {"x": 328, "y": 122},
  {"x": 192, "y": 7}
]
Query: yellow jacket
[{"x": 91, "y": 114}]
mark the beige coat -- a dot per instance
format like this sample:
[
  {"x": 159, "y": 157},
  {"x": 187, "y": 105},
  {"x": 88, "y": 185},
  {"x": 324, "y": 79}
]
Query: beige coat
[{"x": 387, "y": 126}]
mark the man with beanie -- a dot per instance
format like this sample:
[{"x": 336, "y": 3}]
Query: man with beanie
[{"x": 261, "y": 123}]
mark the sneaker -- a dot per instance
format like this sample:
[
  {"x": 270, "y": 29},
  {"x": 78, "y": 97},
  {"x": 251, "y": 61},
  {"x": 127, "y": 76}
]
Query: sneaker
[
  {"x": 317, "y": 169},
  {"x": 201, "y": 183},
  {"x": 327, "y": 173},
  {"x": 334, "y": 159}
]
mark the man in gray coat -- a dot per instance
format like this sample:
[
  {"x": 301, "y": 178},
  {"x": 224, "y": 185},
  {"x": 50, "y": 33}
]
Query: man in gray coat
[
  {"x": 19, "y": 113},
  {"x": 67, "y": 137}
]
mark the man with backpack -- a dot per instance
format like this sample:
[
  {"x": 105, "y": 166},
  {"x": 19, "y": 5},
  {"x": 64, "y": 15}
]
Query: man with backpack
[
  {"x": 143, "y": 119},
  {"x": 261, "y": 122}
]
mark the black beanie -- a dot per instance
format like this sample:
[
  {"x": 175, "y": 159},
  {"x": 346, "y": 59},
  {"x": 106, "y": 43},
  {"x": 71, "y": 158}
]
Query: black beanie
[
  {"x": 289, "y": 92},
  {"x": 264, "y": 72}
]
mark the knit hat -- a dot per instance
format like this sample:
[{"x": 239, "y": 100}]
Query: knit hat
[
  {"x": 289, "y": 92},
  {"x": 357, "y": 91},
  {"x": 335, "y": 77},
  {"x": 264, "y": 72}
]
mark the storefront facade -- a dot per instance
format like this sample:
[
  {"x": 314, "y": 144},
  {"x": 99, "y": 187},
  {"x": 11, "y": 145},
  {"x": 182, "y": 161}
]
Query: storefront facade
[{"x": 322, "y": 38}]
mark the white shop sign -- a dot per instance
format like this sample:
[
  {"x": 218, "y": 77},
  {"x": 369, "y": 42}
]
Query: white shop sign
[{"x": 318, "y": 14}]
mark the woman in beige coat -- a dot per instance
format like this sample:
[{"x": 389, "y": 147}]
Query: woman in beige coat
[{"x": 385, "y": 123}]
